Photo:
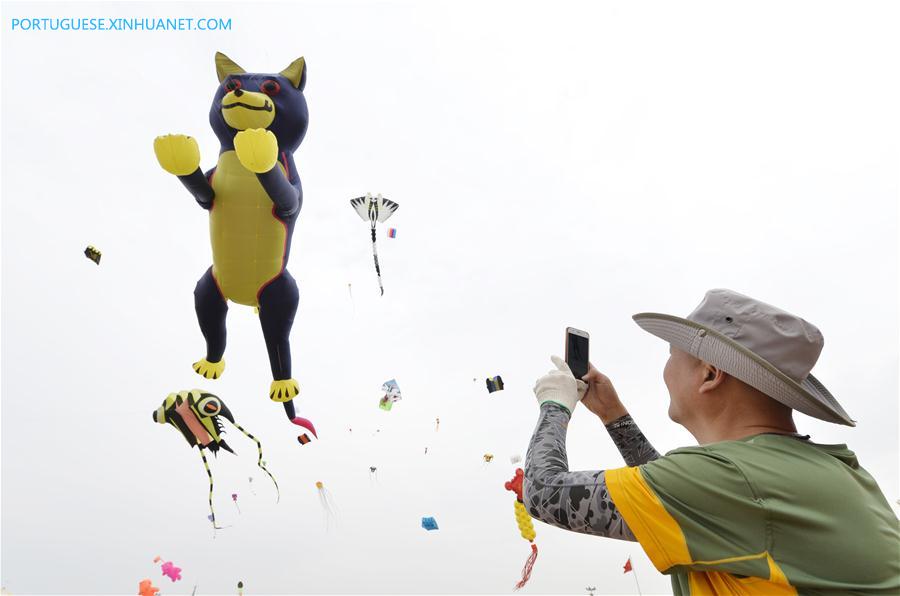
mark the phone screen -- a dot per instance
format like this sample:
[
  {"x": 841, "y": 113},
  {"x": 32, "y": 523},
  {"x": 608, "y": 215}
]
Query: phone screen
[{"x": 577, "y": 353}]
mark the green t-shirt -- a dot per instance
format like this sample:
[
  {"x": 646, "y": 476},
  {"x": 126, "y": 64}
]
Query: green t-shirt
[{"x": 768, "y": 514}]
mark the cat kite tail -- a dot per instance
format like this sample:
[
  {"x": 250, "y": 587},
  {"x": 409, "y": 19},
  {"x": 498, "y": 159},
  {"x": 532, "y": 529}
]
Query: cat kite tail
[
  {"x": 253, "y": 196},
  {"x": 374, "y": 210},
  {"x": 198, "y": 417}
]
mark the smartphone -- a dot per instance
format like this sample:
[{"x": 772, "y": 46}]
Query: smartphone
[{"x": 577, "y": 342}]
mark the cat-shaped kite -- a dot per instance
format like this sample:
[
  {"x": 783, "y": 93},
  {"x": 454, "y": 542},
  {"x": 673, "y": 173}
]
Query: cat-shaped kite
[{"x": 253, "y": 196}]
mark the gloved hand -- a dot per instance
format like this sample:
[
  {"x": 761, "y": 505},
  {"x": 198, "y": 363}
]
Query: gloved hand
[{"x": 560, "y": 386}]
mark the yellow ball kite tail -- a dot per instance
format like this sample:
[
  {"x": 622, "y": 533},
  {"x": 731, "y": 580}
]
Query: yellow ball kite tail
[{"x": 526, "y": 527}]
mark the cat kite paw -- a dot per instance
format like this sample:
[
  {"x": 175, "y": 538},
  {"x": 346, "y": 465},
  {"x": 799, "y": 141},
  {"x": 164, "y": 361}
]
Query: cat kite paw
[
  {"x": 177, "y": 154},
  {"x": 257, "y": 149},
  {"x": 209, "y": 370},
  {"x": 285, "y": 390}
]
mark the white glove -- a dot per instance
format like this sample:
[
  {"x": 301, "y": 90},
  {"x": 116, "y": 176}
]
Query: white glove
[{"x": 560, "y": 386}]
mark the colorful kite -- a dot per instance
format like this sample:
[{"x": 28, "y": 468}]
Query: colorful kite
[
  {"x": 303, "y": 439},
  {"x": 171, "y": 571},
  {"x": 391, "y": 396},
  {"x": 146, "y": 588},
  {"x": 327, "y": 502},
  {"x": 488, "y": 458},
  {"x": 429, "y": 523},
  {"x": 374, "y": 210},
  {"x": 392, "y": 232},
  {"x": 526, "y": 527},
  {"x": 197, "y": 416},
  {"x": 495, "y": 384},
  {"x": 93, "y": 254},
  {"x": 253, "y": 196}
]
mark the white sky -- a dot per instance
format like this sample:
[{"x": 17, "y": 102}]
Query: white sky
[{"x": 555, "y": 164}]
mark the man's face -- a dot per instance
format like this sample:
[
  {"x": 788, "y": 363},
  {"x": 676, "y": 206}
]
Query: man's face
[{"x": 680, "y": 376}]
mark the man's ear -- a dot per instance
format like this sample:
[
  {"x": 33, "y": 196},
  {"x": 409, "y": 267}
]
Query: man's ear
[
  {"x": 713, "y": 377},
  {"x": 226, "y": 66},
  {"x": 296, "y": 73}
]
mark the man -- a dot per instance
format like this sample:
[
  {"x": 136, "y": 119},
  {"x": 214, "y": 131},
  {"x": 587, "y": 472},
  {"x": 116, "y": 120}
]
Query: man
[{"x": 756, "y": 508}]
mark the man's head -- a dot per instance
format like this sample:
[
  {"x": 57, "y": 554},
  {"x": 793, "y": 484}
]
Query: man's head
[
  {"x": 734, "y": 345},
  {"x": 708, "y": 402}
]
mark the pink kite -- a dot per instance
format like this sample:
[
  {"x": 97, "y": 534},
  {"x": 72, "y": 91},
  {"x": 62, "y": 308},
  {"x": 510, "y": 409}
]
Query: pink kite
[{"x": 171, "y": 571}]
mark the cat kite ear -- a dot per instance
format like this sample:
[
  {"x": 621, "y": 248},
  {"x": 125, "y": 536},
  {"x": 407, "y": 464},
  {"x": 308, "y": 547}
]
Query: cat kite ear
[
  {"x": 296, "y": 73},
  {"x": 226, "y": 66}
]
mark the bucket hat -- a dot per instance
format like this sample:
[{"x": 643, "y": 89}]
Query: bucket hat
[{"x": 760, "y": 344}]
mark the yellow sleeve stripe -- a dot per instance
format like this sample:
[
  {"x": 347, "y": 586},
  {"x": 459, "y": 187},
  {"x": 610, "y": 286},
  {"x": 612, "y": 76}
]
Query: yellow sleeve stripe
[
  {"x": 732, "y": 559},
  {"x": 653, "y": 526}
]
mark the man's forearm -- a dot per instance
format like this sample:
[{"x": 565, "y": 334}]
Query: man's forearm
[
  {"x": 577, "y": 501},
  {"x": 631, "y": 442}
]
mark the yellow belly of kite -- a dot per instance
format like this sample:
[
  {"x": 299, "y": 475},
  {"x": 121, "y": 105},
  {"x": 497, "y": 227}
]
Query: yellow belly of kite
[{"x": 248, "y": 241}]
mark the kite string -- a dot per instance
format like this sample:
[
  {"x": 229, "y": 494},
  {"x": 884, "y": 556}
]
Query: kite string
[{"x": 259, "y": 462}]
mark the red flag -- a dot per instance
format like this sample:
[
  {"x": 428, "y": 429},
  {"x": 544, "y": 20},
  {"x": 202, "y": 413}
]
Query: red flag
[{"x": 627, "y": 565}]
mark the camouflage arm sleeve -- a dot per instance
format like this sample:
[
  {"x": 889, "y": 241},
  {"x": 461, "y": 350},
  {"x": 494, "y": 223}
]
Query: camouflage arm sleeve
[
  {"x": 576, "y": 501},
  {"x": 631, "y": 442}
]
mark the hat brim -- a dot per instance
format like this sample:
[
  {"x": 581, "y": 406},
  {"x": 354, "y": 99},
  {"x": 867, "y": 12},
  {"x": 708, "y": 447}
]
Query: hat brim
[{"x": 808, "y": 396}]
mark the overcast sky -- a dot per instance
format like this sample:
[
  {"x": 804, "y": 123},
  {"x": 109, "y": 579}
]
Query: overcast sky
[{"x": 555, "y": 163}]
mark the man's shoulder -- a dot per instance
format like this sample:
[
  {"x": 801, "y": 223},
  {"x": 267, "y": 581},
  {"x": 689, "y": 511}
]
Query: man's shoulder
[
  {"x": 776, "y": 444},
  {"x": 764, "y": 456}
]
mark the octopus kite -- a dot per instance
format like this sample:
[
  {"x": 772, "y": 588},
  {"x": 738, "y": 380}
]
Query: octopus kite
[
  {"x": 198, "y": 417},
  {"x": 253, "y": 196}
]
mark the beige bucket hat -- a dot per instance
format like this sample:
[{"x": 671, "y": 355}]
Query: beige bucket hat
[{"x": 763, "y": 346}]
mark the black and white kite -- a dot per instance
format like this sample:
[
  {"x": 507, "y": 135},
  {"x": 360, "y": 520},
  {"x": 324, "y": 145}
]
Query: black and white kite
[{"x": 374, "y": 210}]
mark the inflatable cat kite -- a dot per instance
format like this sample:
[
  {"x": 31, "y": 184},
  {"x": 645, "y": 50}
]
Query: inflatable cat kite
[{"x": 253, "y": 196}]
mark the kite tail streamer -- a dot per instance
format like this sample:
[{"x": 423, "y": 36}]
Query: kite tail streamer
[
  {"x": 259, "y": 462},
  {"x": 377, "y": 267},
  {"x": 526, "y": 526},
  {"x": 529, "y": 565},
  {"x": 329, "y": 511},
  {"x": 209, "y": 473}
]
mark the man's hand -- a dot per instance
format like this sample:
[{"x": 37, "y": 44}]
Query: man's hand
[
  {"x": 559, "y": 386},
  {"x": 601, "y": 397}
]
